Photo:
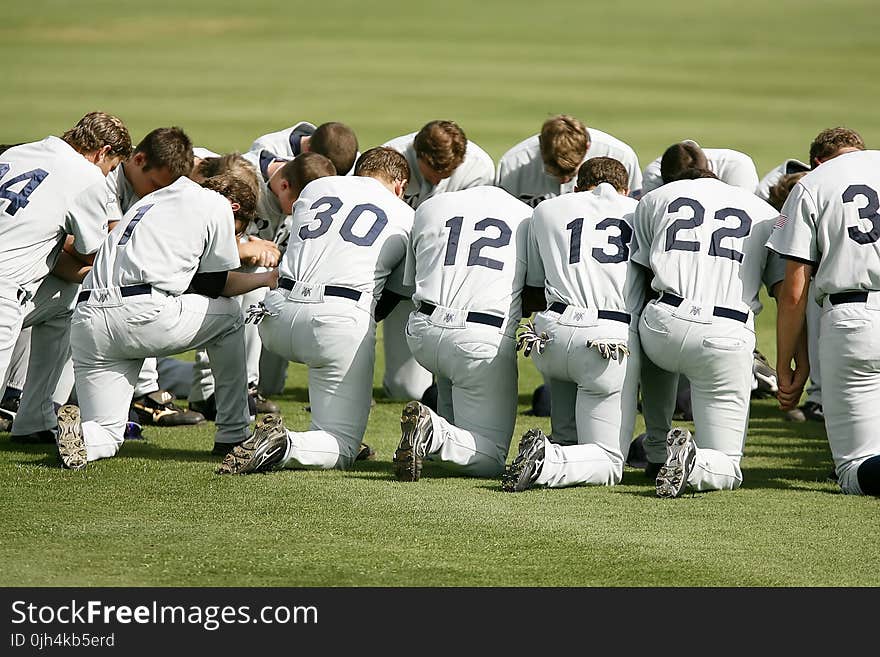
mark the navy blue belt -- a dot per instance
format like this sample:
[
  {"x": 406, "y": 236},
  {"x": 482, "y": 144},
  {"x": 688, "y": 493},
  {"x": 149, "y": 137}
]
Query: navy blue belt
[
  {"x": 329, "y": 290},
  {"x": 614, "y": 315},
  {"x": 848, "y": 297},
  {"x": 718, "y": 311},
  {"x": 127, "y": 291},
  {"x": 478, "y": 318}
]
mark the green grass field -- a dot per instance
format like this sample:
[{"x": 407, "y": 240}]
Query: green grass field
[{"x": 760, "y": 77}]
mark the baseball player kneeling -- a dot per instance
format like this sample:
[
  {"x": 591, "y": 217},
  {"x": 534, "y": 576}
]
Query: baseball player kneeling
[
  {"x": 830, "y": 226},
  {"x": 135, "y": 304},
  {"x": 586, "y": 342},
  {"x": 467, "y": 259},
  {"x": 704, "y": 242},
  {"x": 348, "y": 237}
]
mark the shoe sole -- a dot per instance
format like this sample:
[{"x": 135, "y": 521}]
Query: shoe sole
[
  {"x": 70, "y": 441},
  {"x": 681, "y": 452},
  {"x": 243, "y": 459},
  {"x": 407, "y": 462},
  {"x": 513, "y": 481}
]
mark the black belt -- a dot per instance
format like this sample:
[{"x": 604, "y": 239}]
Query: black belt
[
  {"x": 329, "y": 290},
  {"x": 719, "y": 311},
  {"x": 848, "y": 297},
  {"x": 478, "y": 318},
  {"x": 615, "y": 315},
  {"x": 127, "y": 291}
]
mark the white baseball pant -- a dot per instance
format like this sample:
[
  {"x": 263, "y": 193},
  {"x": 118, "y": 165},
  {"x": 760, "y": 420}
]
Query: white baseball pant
[
  {"x": 336, "y": 338},
  {"x": 404, "y": 379},
  {"x": 47, "y": 314},
  {"x": 849, "y": 354},
  {"x": 203, "y": 378},
  {"x": 716, "y": 354},
  {"x": 476, "y": 372},
  {"x": 111, "y": 334},
  {"x": 601, "y": 399}
]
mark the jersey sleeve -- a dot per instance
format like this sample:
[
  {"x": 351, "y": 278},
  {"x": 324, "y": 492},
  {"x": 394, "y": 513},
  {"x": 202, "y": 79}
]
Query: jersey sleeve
[
  {"x": 535, "y": 274},
  {"x": 87, "y": 216},
  {"x": 481, "y": 172},
  {"x": 221, "y": 245},
  {"x": 794, "y": 233},
  {"x": 644, "y": 233},
  {"x": 651, "y": 178},
  {"x": 635, "y": 174},
  {"x": 743, "y": 174},
  {"x": 774, "y": 270},
  {"x": 409, "y": 264}
]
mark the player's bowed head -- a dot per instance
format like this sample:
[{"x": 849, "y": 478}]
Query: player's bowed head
[
  {"x": 385, "y": 165},
  {"x": 680, "y": 157},
  {"x": 101, "y": 138},
  {"x": 564, "y": 141},
  {"x": 440, "y": 148},
  {"x": 598, "y": 170},
  {"x": 241, "y": 194}
]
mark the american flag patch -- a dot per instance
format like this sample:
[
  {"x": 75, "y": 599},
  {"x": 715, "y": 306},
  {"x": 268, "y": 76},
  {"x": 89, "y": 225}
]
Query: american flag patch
[{"x": 780, "y": 222}]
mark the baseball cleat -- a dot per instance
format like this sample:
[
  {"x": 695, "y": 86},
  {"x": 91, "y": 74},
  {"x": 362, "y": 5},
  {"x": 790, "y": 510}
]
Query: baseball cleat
[
  {"x": 523, "y": 471},
  {"x": 681, "y": 454},
  {"x": 70, "y": 441},
  {"x": 261, "y": 452},
  {"x": 416, "y": 431},
  {"x": 365, "y": 453},
  {"x": 158, "y": 408}
]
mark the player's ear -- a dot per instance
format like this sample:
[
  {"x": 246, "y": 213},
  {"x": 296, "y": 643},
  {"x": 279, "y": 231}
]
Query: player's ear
[
  {"x": 400, "y": 187},
  {"x": 235, "y": 206}
]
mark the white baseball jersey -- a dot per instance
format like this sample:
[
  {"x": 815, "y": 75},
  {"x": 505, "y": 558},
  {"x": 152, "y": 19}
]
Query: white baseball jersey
[
  {"x": 831, "y": 220},
  {"x": 788, "y": 167},
  {"x": 521, "y": 169},
  {"x": 166, "y": 238},
  {"x": 704, "y": 240},
  {"x": 121, "y": 188},
  {"x": 270, "y": 216},
  {"x": 349, "y": 231},
  {"x": 468, "y": 251},
  {"x": 730, "y": 166},
  {"x": 476, "y": 169},
  {"x": 287, "y": 142},
  {"x": 203, "y": 153},
  {"x": 580, "y": 247},
  {"x": 48, "y": 190}
]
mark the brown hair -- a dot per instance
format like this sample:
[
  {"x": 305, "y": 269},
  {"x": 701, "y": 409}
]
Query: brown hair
[
  {"x": 693, "y": 173},
  {"x": 338, "y": 143},
  {"x": 681, "y": 156},
  {"x": 384, "y": 163},
  {"x": 780, "y": 191},
  {"x": 167, "y": 147},
  {"x": 828, "y": 143},
  {"x": 597, "y": 170},
  {"x": 442, "y": 145},
  {"x": 237, "y": 190},
  {"x": 233, "y": 163},
  {"x": 564, "y": 141},
  {"x": 96, "y": 130},
  {"x": 305, "y": 168}
]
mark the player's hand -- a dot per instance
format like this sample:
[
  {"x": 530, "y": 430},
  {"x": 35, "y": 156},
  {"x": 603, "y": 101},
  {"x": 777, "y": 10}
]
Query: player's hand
[
  {"x": 791, "y": 384},
  {"x": 257, "y": 252},
  {"x": 272, "y": 276}
]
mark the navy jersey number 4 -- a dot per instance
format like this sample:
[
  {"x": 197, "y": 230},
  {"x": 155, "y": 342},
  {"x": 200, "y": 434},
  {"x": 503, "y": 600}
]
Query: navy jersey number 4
[{"x": 17, "y": 193}]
